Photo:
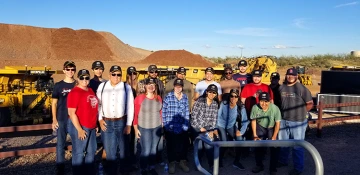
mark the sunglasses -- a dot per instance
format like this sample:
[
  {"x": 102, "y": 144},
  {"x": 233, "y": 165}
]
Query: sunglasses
[
  {"x": 133, "y": 73},
  {"x": 212, "y": 92},
  {"x": 119, "y": 75},
  {"x": 67, "y": 69},
  {"x": 84, "y": 78},
  {"x": 233, "y": 96},
  {"x": 228, "y": 73},
  {"x": 153, "y": 72}
]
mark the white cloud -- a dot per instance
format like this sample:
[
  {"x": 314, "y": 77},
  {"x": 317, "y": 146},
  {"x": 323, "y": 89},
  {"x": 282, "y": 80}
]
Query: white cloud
[
  {"x": 207, "y": 46},
  {"x": 300, "y": 23},
  {"x": 248, "y": 31},
  {"x": 346, "y": 4},
  {"x": 279, "y": 47},
  {"x": 285, "y": 47}
]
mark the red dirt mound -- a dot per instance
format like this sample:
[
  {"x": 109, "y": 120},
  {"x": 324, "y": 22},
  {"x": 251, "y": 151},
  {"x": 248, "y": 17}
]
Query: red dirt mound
[{"x": 176, "y": 58}]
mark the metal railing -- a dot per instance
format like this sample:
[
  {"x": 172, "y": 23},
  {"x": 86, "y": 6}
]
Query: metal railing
[{"x": 319, "y": 167}]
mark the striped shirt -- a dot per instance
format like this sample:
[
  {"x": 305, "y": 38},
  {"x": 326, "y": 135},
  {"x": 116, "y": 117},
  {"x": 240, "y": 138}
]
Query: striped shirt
[
  {"x": 204, "y": 115},
  {"x": 175, "y": 113},
  {"x": 147, "y": 111}
]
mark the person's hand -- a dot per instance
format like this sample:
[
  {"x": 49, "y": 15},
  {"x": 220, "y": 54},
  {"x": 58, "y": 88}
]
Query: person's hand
[
  {"x": 97, "y": 129},
  {"x": 82, "y": 134},
  {"x": 238, "y": 134},
  {"x": 55, "y": 125},
  {"x": 202, "y": 130},
  {"x": 127, "y": 130},
  {"x": 211, "y": 134},
  {"x": 137, "y": 134},
  {"x": 256, "y": 138},
  {"x": 102, "y": 125},
  {"x": 273, "y": 138}
]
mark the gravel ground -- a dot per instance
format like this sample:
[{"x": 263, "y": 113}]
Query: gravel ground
[{"x": 338, "y": 148}]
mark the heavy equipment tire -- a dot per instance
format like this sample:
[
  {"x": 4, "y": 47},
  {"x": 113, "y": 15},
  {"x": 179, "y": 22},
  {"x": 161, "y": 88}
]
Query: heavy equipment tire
[{"x": 4, "y": 117}]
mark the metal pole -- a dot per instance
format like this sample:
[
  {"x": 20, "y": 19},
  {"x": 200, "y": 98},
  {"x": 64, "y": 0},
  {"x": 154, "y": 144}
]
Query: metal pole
[{"x": 216, "y": 160}]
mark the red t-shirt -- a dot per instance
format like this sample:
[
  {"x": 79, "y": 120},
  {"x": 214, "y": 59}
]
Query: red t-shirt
[
  {"x": 86, "y": 104},
  {"x": 251, "y": 93}
]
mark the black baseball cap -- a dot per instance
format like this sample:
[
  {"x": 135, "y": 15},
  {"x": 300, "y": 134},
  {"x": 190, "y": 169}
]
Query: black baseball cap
[
  {"x": 292, "y": 71},
  {"x": 181, "y": 70},
  {"x": 234, "y": 91},
  {"x": 115, "y": 68},
  {"x": 83, "y": 72},
  {"x": 209, "y": 69},
  {"x": 97, "y": 64},
  {"x": 275, "y": 75},
  {"x": 69, "y": 64},
  {"x": 212, "y": 88},
  {"x": 152, "y": 68},
  {"x": 257, "y": 73},
  {"x": 150, "y": 81},
  {"x": 264, "y": 96},
  {"x": 179, "y": 81},
  {"x": 242, "y": 63},
  {"x": 130, "y": 70}
]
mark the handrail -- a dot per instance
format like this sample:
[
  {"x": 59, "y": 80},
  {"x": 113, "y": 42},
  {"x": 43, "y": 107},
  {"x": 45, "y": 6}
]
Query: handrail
[{"x": 319, "y": 167}]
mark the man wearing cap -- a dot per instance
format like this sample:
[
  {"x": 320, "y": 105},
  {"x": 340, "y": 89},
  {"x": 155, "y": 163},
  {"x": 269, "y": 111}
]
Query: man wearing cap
[
  {"x": 274, "y": 85},
  {"x": 175, "y": 117},
  {"x": 116, "y": 112},
  {"x": 153, "y": 73},
  {"x": 60, "y": 112},
  {"x": 188, "y": 86},
  {"x": 296, "y": 101},
  {"x": 228, "y": 83},
  {"x": 202, "y": 85},
  {"x": 98, "y": 69},
  {"x": 265, "y": 123},
  {"x": 242, "y": 77}
]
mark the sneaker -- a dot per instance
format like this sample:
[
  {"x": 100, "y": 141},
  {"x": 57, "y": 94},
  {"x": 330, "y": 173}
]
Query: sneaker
[
  {"x": 257, "y": 169},
  {"x": 294, "y": 172},
  {"x": 183, "y": 166},
  {"x": 172, "y": 168},
  {"x": 238, "y": 165}
]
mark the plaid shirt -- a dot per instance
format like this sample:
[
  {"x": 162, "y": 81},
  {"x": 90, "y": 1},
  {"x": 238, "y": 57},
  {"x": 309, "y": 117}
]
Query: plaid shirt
[
  {"x": 204, "y": 116},
  {"x": 175, "y": 113}
]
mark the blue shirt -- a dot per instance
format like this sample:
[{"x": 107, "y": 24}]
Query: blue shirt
[
  {"x": 175, "y": 113},
  {"x": 227, "y": 117}
]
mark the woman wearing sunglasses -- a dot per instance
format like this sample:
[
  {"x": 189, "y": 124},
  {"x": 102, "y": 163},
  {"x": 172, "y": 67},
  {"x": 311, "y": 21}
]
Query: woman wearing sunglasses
[
  {"x": 83, "y": 108},
  {"x": 203, "y": 119},
  {"x": 231, "y": 110}
]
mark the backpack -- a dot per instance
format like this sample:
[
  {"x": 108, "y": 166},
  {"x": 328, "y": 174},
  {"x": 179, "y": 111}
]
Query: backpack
[{"x": 125, "y": 108}]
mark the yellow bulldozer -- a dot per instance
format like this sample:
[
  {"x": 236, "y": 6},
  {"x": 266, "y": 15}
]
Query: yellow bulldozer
[
  {"x": 304, "y": 78},
  {"x": 25, "y": 94}
]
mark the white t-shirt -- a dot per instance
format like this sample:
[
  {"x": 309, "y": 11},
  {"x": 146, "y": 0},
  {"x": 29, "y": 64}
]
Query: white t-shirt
[{"x": 202, "y": 85}]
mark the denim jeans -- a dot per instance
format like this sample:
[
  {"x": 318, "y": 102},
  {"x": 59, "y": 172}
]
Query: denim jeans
[
  {"x": 264, "y": 134},
  {"x": 62, "y": 132},
  {"x": 176, "y": 146},
  {"x": 149, "y": 141},
  {"x": 295, "y": 131},
  {"x": 83, "y": 151},
  {"x": 223, "y": 137},
  {"x": 208, "y": 149},
  {"x": 114, "y": 143}
]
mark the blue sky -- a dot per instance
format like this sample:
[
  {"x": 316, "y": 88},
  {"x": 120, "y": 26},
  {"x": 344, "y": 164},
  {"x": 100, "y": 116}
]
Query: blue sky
[{"x": 208, "y": 27}]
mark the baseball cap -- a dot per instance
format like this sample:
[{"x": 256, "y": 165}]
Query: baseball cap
[
  {"x": 152, "y": 68},
  {"x": 228, "y": 68},
  {"x": 209, "y": 69},
  {"x": 234, "y": 91},
  {"x": 69, "y": 64},
  {"x": 242, "y": 63},
  {"x": 275, "y": 75},
  {"x": 212, "y": 87},
  {"x": 257, "y": 73},
  {"x": 150, "y": 81},
  {"x": 292, "y": 71},
  {"x": 130, "y": 70},
  {"x": 83, "y": 72},
  {"x": 181, "y": 70},
  {"x": 97, "y": 64},
  {"x": 115, "y": 68},
  {"x": 179, "y": 81},
  {"x": 264, "y": 96}
]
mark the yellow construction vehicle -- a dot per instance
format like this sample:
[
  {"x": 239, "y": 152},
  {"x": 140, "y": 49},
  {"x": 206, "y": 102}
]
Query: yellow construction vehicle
[
  {"x": 304, "y": 78},
  {"x": 25, "y": 94},
  {"x": 265, "y": 63}
]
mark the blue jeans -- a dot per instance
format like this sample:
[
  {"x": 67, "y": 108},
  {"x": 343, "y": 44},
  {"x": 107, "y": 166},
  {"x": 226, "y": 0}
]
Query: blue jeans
[
  {"x": 114, "y": 140},
  {"x": 83, "y": 151},
  {"x": 295, "y": 131},
  {"x": 62, "y": 132},
  {"x": 149, "y": 141}
]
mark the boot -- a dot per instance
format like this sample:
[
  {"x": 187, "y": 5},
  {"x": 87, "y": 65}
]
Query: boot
[
  {"x": 172, "y": 168},
  {"x": 183, "y": 166}
]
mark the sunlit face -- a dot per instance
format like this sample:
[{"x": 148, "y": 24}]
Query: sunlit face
[
  {"x": 153, "y": 73},
  {"x": 84, "y": 81},
  {"x": 180, "y": 75},
  {"x": 211, "y": 94},
  {"x": 209, "y": 76},
  {"x": 98, "y": 71},
  {"x": 264, "y": 104},
  {"x": 291, "y": 79},
  {"x": 69, "y": 72},
  {"x": 242, "y": 69},
  {"x": 256, "y": 79},
  {"x": 115, "y": 77},
  {"x": 228, "y": 74},
  {"x": 234, "y": 98},
  {"x": 150, "y": 87},
  {"x": 178, "y": 89}
]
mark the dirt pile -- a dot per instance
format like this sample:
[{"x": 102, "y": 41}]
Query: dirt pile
[
  {"x": 27, "y": 42},
  {"x": 176, "y": 58}
]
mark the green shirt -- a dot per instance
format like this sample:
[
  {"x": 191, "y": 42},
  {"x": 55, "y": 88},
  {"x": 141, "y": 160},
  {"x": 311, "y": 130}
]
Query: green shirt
[{"x": 266, "y": 119}]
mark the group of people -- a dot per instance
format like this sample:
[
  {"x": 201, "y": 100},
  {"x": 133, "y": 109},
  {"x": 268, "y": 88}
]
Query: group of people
[{"x": 135, "y": 118}]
